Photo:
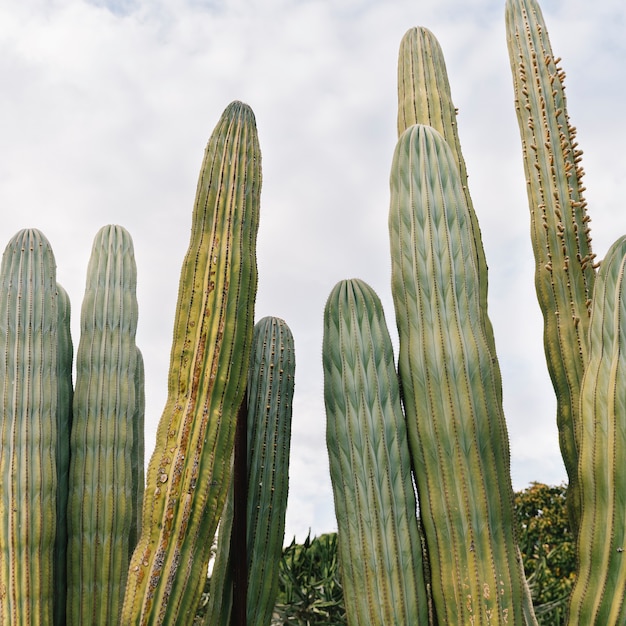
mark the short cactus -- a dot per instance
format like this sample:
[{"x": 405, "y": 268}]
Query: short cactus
[{"x": 378, "y": 538}]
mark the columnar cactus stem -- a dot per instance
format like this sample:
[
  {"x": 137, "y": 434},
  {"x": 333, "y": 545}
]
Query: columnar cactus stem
[
  {"x": 270, "y": 394},
  {"x": 103, "y": 474},
  {"x": 564, "y": 261},
  {"x": 370, "y": 466},
  {"x": 188, "y": 474},
  {"x": 449, "y": 380},
  {"x": 424, "y": 97},
  {"x": 600, "y": 588},
  {"x": 35, "y": 405}
]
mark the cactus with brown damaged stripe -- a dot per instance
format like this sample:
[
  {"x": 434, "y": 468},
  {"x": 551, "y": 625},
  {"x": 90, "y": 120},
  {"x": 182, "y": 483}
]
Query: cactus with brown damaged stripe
[
  {"x": 188, "y": 475},
  {"x": 564, "y": 261},
  {"x": 35, "y": 374},
  {"x": 106, "y": 485}
]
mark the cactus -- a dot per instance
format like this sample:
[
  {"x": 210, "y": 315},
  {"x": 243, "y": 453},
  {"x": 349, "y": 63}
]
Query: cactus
[
  {"x": 35, "y": 370},
  {"x": 456, "y": 426},
  {"x": 378, "y": 537},
  {"x": 564, "y": 267},
  {"x": 600, "y": 587},
  {"x": 188, "y": 473},
  {"x": 105, "y": 446},
  {"x": 424, "y": 97},
  {"x": 270, "y": 394}
]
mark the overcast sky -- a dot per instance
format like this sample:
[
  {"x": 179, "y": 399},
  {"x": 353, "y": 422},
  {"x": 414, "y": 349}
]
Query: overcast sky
[{"x": 106, "y": 107}]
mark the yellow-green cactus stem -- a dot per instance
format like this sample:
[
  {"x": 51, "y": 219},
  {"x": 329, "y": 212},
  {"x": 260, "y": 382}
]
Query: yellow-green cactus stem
[
  {"x": 449, "y": 381},
  {"x": 564, "y": 261},
  {"x": 103, "y": 499},
  {"x": 270, "y": 393},
  {"x": 370, "y": 467},
  {"x": 600, "y": 588},
  {"x": 35, "y": 405},
  {"x": 424, "y": 97},
  {"x": 188, "y": 474}
]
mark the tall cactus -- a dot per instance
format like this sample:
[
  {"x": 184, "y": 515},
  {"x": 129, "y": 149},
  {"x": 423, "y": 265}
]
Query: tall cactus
[
  {"x": 449, "y": 380},
  {"x": 35, "y": 374},
  {"x": 188, "y": 474},
  {"x": 378, "y": 538},
  {"x": 564, "y": 261},
  {"x": 600, "y": 587},
  {"x": 424, "y": 97},
  {"x": 104, "y": 494},
  {"x": 270, "y": 393}
]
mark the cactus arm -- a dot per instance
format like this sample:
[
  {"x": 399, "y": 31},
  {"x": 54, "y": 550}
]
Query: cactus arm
[
  {"x": 29, "y": 368},
  {"x": 600, "y": 587},
  {"x": 424, "y": 97},
  {"x": 188, "y": 473},
  {"x": 564, "y": 269},
  {"x": 101, "y": 512},
  {"x": 454, "y": 413},
  {"x": 378, "y": 537},
  {"x": 138, "y": 452}
]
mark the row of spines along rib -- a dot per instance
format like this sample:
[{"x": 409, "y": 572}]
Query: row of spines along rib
[
  {"x": 564, "y": 261},
  {"x": 188, "y": 474},
  {"x": 378, "y": 538},
  {"x": 600, "y": 586},
  {"x": 450, "y": 385},
  {"x": 35, "y": 370},
  {"x": 269, "y": 410},
  {"x": 105, "y": 438}
]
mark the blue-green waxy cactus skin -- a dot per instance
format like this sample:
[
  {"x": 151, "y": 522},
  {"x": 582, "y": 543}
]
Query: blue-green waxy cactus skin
[
  {"x": 450, "y": 388},
  {"x": 379, "y": 543}
]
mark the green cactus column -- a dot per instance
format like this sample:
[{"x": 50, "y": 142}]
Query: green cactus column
[
  {"x": 600, "y": 588},
  {"x": 564, "y": 261},
  {"x": 424, "y": 97},
  {"x": 35, "y": 374},
  {"x": 188, "y": 474},
  {"x": 370, "y": 467},
  {"x": 105, "y": 430},
  {"x": 456, "y": 426},
  {"x": 270, "y": 393}
]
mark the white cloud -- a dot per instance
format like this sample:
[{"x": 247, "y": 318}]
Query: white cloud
[{"x": 106, "y": 108}]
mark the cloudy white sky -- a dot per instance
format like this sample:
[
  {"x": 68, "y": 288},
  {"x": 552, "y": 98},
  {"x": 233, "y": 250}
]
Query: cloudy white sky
[{"x": 106, "y": 106}]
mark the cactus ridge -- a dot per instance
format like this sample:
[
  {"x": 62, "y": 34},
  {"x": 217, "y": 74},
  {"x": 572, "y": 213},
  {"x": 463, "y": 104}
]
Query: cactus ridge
[
  {"x": 450, "y": 383},
  {"x": 30, "y": 415},
  {"x": 564, "y": 261},
  {"x": 600, "y": 588},
  {"x": 188, "y": 473},
  {"x": 378, "y": 536}
]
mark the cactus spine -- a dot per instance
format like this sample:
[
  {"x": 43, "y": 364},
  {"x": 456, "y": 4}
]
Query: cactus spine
[
  {"x": 600, "y": 587},
  {"x": 564, "y": 268},
  {"x": 188, "y": 474},
  {"x": 270, "y": 393},
  {"x": 35, "y": 370},
  {"x": 454, "y": 413},
  {"x": 103, "y": 476},
  {"x": 378, "y": 538}
]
